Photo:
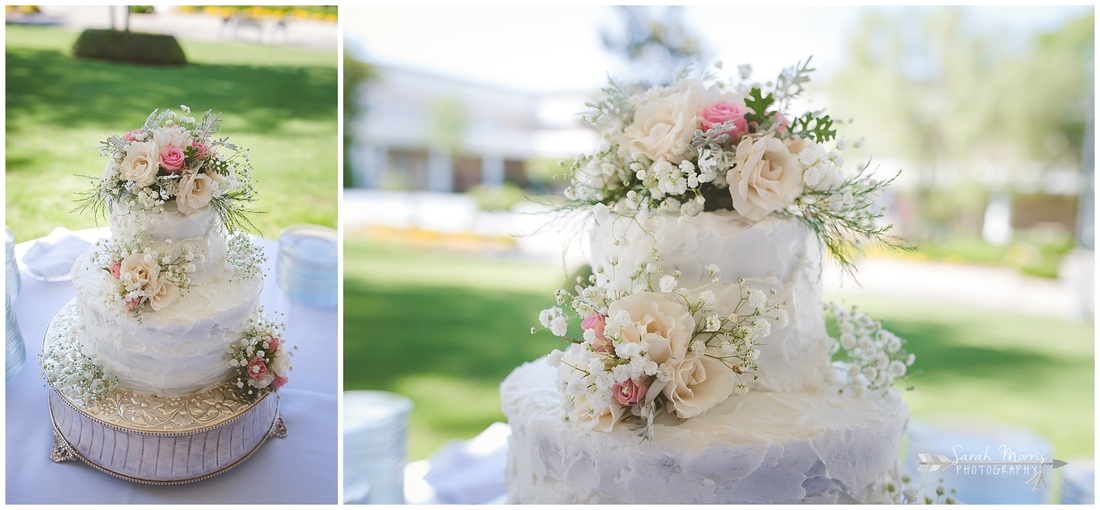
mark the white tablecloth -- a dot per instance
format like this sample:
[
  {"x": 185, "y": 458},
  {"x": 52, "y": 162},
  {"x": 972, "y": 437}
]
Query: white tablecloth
[{"x": 300, "y": 468}]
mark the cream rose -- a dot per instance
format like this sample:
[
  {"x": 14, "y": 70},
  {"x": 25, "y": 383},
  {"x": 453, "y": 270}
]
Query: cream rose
[
  {"x": 665, "y": 125},
  {"x": 697, "y": 385},
  {"x": 767, "y": 177},
  {"x": 164, "y": 293},
  {"x": 602, "y": 418},
  {"x": 171, "y": 136},
  {"x": 663, "y": 323},
  {"x": 280, "y": 363},
  {"x": 135, "y": 268},
  {"x": 196, "y": 191},
  {"x": 141, "y": 164}
]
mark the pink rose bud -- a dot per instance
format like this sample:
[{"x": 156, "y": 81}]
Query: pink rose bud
[
  {"x": 629, "y": 393},
  {"x": 133, "y": 303},
  {"x": 783, "y": 123},
  {"x": 279, "y": 382},
  {"x": 597, "y": 323},
  {"x": 116, "y": 269},
  {"x": 719, "y": 113},
  {"x": 200, "y": 149},
  {"x": 273, "y": 344},
  {"x": 257, "y": 368},
  {"x": 171, "y": 158},
  {"x": 132, "y": 135}
]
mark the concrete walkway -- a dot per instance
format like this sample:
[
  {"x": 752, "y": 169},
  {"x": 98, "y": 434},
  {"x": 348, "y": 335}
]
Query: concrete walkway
[
  {"x": 187, "y": 26},
  {"x": 1069, "y": 297}
]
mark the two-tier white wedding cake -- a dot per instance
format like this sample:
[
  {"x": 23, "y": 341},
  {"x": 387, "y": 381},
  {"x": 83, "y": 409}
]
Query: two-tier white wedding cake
[
  {"x": 702, "y": 370},
  {"x": 165, "y": 350}
]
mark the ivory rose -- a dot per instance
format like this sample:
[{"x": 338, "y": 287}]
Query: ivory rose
[
  {"x": 280, "y": 363},
  {"x": 141, "y": 164},
  {"x": 164, "y": 293},
  {"x": 660, "y": 321},
  {"x": 196, "y": 191},
  {"x": 134, "y": 268},
  {"x": 172, "y": 158},
  {"x": 602, "y": 418},
  {"x": 171, "y": 136},
  {"x": 719, "y": 113},
  {"x": 665, "y": 125},
  {"x": 766, "y": 178},
  {"x": 697, "y": 385}
]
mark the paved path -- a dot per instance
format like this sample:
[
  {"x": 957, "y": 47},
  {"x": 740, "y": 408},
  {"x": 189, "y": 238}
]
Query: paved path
[{"x": 198, "y": 27}]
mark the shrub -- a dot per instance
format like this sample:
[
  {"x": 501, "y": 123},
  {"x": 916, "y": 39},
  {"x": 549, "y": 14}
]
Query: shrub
[{"x": 132, "y": 47}]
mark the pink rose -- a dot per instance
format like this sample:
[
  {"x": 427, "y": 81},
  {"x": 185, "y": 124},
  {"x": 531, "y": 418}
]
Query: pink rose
[
  {"x": 273, "y": 344},
  {"x": 257, "y": 368},
  {"x": 719, "y": 113},
  {"x": 133, "y": 303},
  {"x": 132, "y": 135},
  {"x": 278, "y": 382},
  {"x": 200, "y": 148},
  {"x": 629, "y": 393},
  {"x": 597, "y": 323},
  {"x": 116, "y": 269},
  {"x": 172, "y": 158}
]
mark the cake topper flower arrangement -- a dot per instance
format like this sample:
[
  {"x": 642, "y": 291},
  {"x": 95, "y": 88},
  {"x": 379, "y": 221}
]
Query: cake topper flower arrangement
[
  {"x": 701, "y": 144},
  {"x": 175, "y": 158}
]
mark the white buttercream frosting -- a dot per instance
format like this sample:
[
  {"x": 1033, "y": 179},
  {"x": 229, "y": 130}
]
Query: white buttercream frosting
[
  {"x": 777, "y": 254},
  {"x": 172, "y": 351},
  {"x": 202, "y": 231},
  {"x": 763, "y": 447}
]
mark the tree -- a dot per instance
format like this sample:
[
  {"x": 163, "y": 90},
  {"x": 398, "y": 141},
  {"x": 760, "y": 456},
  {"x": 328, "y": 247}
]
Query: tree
[{"x": 655, "y": 43}]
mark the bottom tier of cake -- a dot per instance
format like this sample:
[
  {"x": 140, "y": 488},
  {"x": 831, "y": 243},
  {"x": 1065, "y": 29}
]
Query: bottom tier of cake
[
  {"x": 158, "y": 440},
  {"x": 763, "y": 447}
]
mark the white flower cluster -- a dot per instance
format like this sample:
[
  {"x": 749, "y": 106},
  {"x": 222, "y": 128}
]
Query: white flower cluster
[
  {"x": 174, "y": 158},
  {"x": 661, "y": 349},
  {"x": 244, "y": 258},
  {"x": 144, "y": 276},
  {"x": 71, "y": 372},
  {"x": 260, "y": 357},
  {"x": 873, "y": 356}
]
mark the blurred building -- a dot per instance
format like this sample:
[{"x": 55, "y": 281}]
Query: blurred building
[{"x": 423, "y": 132}]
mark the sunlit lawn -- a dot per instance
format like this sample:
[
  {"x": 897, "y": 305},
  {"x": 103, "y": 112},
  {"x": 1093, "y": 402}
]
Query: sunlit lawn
[
  {"x": 279, "y": 102},
  {"x": 445, "y": 328}
]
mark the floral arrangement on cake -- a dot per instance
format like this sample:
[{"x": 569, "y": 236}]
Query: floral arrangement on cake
[
  {"x": 175, "y": 158},
  {"x": 261, "y": 357},
  {"x": 655, "y": 347},
  {"x": 874, "y": 356},
  {"x": 144, "y": 277},
  {"x": 73, "y": 373},
  {"x": 701, "y": 144}
]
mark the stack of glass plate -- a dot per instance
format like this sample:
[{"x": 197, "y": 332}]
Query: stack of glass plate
[
  {"x": 307, "y": 264},
  {"x": 375, "y": 436}
]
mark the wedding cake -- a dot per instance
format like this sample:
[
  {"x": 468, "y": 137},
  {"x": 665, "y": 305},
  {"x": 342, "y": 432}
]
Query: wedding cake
[
  {"x": 700, "y": 368},
  {"x": 166, "y": 336}
]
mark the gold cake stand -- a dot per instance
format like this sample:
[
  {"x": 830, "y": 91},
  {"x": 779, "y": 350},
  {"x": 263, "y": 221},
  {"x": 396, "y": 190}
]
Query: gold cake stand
[{"x": 157, "y": 440}]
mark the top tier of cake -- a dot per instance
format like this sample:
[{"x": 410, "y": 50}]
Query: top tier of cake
[
  {"x": 168, "y": 231},
  {"x": 774, "y": 254}
]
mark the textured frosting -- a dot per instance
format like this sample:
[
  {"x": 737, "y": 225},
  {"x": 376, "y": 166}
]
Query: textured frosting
[
  {"x": 762, "y": 447},
  {"x": 170, "y": 352},
  {"x": 773, "y": 254},
  {"x": 202, "y": 231}
]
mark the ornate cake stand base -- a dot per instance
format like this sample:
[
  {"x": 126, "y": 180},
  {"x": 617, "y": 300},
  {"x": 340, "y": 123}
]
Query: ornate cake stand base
[{"x": 158, "y": 440}]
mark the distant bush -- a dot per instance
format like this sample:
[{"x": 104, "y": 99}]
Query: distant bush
[
  {"x": 496, "y": 198},
  {"x": 133, "y": 47},
  {"x": 142, "y": 9}
]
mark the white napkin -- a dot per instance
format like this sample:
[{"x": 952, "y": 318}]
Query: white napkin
[
  {"x": 471, "y": 472},
  {"x": 51, "y": 258}
]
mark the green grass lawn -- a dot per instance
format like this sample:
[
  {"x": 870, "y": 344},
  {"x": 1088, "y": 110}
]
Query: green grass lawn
[
  {"x": 445, "y": 329},
  {"x": 279, "y": 102}
]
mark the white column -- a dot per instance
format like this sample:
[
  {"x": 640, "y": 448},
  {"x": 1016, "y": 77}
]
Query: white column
[
  {"x": 440, "y": 176},
  {"x": 492, "y": 170}
]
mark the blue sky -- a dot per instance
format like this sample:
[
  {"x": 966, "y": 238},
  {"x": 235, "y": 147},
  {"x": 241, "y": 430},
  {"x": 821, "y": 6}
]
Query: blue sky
[{"x": 543, "y": 49}]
